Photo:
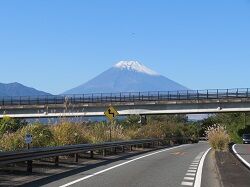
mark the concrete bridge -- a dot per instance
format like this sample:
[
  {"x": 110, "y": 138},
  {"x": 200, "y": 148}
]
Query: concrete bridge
[{"x": 141, "y": 103}]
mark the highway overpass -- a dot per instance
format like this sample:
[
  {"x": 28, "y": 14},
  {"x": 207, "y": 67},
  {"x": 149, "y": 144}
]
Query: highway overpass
[{"x": 141, "y": 103}]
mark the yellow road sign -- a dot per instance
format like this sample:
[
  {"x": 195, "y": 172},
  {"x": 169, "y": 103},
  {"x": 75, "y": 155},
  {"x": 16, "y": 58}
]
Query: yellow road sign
[{"x": 111, "y": 113}]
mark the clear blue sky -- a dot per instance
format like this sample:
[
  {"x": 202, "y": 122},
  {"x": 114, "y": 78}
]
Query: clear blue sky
[{"x": 54, "y": 45}]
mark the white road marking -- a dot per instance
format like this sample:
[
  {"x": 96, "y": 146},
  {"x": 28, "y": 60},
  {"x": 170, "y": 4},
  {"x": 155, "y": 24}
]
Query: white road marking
[
  {"x": 192, "y": 167},
  {"x": 240, "y": 157},
  {"x": 187, "y": 183},
  {"x": 197, "y": 182},
  {"x": 118, "y": 165},
  {"x": 189, "y": 178},
  {"x": 196, "y": 161},
  {"x": 191, "y": 171},
  {"x": 190, "y": 174}
]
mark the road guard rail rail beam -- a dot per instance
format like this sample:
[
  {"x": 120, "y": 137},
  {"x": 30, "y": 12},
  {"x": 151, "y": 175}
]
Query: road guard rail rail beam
[
  {"x": 127, "y": 97},
  {"x": 39, "y": 153}
]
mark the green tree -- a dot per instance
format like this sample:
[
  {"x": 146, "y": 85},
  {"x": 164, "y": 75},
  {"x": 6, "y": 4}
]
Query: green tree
[{"x": 9, "y": 125}]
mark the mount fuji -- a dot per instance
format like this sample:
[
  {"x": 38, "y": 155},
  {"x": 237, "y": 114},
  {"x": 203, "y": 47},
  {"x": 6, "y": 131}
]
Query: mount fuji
[{"x": 127, "y": 76}]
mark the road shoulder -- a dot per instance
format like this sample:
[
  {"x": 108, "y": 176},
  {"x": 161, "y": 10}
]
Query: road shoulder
[
  {"x": 232, "y": 171},
  {"x": 210, "y": 173}
]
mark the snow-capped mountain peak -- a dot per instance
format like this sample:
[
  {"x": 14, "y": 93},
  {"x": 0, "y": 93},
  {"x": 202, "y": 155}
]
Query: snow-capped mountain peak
[{"x": 135, "y": 66}]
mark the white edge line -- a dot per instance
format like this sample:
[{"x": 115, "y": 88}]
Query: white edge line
[
  {"x": 118, "y": 165},
  {"x": 240, "y": 157},
  {"x": 197, "y": 182}
]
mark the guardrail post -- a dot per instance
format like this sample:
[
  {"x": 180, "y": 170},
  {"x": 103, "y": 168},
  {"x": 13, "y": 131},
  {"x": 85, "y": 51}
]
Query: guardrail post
[
  {"x": 76, "y": 157},
  {"x": 123, "y": 149},
  {"x": 57, "y": 161},
  {"x": 131, "y": 148},
  {"x": 29, "y": 166},
  {"x": 153, "y": 144},
  {"x": 91, "y": 154},
  {"x": 104, "y": 152},
  {"x": 158, "y": 143},
  {"x": 115, "y": 150}
]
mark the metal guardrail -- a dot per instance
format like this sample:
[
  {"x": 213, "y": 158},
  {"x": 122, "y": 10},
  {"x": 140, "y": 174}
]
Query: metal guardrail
[
  {"x": 39, "y": 153},
  {"x": 127, "y": 97}
]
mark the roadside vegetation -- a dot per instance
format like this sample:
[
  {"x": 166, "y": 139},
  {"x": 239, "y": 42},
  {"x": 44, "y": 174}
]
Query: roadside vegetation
[
  {"x": 222, "y": 128},
  {"x": 218, "y": 137},
  {"x": 64, "y": 132},
  {"x": 236, "y": 124}
]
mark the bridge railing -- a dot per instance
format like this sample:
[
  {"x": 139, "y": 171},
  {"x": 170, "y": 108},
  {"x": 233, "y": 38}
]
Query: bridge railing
[{"x": 127, "y": 97}]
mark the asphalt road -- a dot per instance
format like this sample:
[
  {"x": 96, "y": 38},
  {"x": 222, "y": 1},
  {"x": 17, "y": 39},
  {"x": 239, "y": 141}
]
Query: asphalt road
[
  {"x": 176, "y": 166},
  {"x": 243, "y": 150}
]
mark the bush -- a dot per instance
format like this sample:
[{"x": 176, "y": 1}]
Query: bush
[
  {"x": 151, "y": 130},
  {"x": 41, "y": 135},
  {"x": 218, "y": 137},
  {"x": 66, "y": 133},
  {"x": 9, "y": 125},
  {"x": 12, "y": 141}
]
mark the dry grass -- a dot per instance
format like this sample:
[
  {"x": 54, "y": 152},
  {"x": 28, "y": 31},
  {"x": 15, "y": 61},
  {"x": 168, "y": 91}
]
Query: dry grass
[{"x": 218, "y": 137}]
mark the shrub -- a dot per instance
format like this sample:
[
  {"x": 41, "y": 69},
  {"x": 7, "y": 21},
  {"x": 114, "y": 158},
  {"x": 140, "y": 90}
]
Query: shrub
[
  {"x": 66, "y": 133},
  {"x": 218, "y": 137},
  {"x": 41, "y": 137},
  {"x": 151, "y": 130},
  {"x": 9, "y": 125},
  {"x": 41, "y": 134},
  {"x": 12, "y": 141}
]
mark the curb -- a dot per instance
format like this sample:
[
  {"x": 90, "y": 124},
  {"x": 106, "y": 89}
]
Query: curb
[
  {"x": 217, "y": 170},
  {"x": 242, "y": 160}
]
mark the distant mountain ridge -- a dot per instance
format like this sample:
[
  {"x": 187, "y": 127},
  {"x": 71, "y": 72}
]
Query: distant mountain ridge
[
  {"x": 17, "y": 89},
  {"x": 127, "y": 76}
]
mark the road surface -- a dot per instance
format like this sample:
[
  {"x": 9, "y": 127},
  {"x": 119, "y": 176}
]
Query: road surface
[
  {"x": 243, "y": 151},
  {"x": 176, "y": 166}
]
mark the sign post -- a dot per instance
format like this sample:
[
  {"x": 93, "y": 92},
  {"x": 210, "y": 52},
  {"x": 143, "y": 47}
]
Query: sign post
[
  {"x": 111, "y": 113},
  {"x": 28, "y": 140}
]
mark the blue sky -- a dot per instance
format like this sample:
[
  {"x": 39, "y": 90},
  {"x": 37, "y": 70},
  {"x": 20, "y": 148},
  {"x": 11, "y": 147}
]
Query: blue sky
[{"x": 54, "y": 45}]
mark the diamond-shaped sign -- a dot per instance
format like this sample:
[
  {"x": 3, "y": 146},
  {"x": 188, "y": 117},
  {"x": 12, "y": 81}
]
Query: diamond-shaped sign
[{"x": 111, "y": 113}]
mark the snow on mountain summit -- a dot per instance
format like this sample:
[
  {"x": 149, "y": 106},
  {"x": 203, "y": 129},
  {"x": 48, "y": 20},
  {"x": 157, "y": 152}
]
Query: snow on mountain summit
[{"x": 134, "y": 66}]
